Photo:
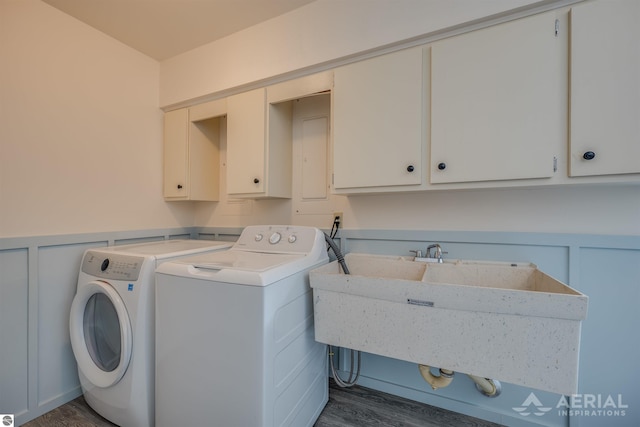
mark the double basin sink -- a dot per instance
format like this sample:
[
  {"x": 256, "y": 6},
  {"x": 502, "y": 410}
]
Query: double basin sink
[{"x": 505, "y": 321}]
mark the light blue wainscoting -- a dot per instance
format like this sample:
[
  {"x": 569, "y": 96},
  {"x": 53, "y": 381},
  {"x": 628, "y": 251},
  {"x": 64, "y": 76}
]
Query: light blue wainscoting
[
  {"x": 606, "y": 268},
  {"x": 38, "y": 279}
]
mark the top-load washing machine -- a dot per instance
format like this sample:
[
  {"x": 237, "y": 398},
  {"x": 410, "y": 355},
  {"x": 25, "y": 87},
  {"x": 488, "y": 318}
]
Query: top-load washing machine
[
  {"x": 235, "y": 340},
  {"x": 112, "y": 325}
]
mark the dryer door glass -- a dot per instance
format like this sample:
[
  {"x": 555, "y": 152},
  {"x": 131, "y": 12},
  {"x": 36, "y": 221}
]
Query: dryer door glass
[{"x": 102, "y": 332}]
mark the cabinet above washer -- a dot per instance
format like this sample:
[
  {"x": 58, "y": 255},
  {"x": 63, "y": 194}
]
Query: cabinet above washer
[
  {"x": 192, "y": 152},
  {"x": 260, "y": 137}
]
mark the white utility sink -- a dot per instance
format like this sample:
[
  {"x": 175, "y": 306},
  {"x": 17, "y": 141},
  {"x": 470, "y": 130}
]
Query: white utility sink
[{"x": 505, "y": 321}]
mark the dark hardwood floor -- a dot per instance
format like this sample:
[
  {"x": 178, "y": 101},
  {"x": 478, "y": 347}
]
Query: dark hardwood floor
[{"x": 352, "y": 407}]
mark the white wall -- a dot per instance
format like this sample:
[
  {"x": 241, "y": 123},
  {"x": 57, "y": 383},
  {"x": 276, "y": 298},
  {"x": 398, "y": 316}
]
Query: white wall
[
  {"x": 586, "y": 209},
  {"x": 314, "y": 34},
  {"x": 80, "y": 129}
]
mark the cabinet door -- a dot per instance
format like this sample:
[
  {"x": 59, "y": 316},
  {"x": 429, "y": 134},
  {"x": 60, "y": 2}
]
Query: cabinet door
[
  {"x": 377, "y": 122},
  {"x": 176, "y": 128},
  {"x": 496, "y": 111},
  {"x": 605, "y": 88},
  {"x": 246, "y": 119}
]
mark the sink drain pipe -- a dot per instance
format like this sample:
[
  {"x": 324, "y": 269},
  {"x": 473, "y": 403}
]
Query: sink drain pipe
[
  {"x": 486, "y": 386},
  {"x": 436, "y": 381}
]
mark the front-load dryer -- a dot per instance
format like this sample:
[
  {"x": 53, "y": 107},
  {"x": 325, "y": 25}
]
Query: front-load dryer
[
  {"x": 112, "y": 326},
  {"x": 235, "y": 340}
]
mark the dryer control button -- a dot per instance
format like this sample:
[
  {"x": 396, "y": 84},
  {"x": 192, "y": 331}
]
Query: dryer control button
[
  {"x": 258, "y": 237},
  {"x": 292, "y": 238},
  {"x": 275, "y": 238}
]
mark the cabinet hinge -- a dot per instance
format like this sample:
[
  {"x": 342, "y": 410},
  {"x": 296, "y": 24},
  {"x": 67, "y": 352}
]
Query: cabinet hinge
[
  {"x": 555, "y": 164},
  {"x": 557, "y": 29}
]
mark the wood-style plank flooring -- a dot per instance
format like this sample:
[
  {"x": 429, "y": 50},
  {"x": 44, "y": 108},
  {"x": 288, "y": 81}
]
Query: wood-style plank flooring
[{"x": 352, "y": 407}]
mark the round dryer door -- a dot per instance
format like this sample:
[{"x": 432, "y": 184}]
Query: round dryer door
[{"x": 100, "y": 333}]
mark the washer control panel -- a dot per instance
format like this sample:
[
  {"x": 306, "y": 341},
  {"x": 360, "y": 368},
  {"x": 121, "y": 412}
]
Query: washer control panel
[
  {"x": 112, "y": 266},
  {"x": 279, "y": 239}
]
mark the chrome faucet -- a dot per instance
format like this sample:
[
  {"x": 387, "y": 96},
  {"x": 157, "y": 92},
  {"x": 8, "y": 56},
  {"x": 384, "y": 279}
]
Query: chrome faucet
[
  {"x": 436, "y": 257},
  {"x": 437, "y": 254}
]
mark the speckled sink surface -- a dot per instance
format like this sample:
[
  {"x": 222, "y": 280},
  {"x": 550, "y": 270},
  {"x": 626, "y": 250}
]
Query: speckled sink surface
[
  {"x": 506, "y": 321},
  {"x": 494, "y": 287}
]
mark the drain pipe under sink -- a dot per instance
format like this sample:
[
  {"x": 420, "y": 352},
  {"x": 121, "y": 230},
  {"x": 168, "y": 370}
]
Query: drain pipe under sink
[
  {"x": 436, "y": 382},
  {"x": 486, "y": 386}
]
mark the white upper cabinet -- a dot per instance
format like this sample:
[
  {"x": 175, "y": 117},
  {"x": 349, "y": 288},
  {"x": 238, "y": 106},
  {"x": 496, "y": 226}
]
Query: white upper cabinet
[
  {"x": 246, "y": 137},
  {"x": 378, "y": 135},
  {"x": 496, "y": 109},
  {"x": 259, "y": 137},
  {"x": 192, "y": 152},
  {"x": 605, "y": 88},
  {"x": 176, "y": 152},
  {"x": 258, "y": 156}
]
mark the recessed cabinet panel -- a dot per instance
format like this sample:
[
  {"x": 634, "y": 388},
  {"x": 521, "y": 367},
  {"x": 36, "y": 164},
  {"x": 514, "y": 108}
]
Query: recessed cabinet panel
[
  {"x": 495, "y": 107},
  {"x": 605, "y": 88},
  {"x": 310, "y": 187},
  {"x": 313, "y": 148},
  {"x": 204, "y": 159},
  {"x": 377, "y": 122},
  {"x": 279, "y": 149}
]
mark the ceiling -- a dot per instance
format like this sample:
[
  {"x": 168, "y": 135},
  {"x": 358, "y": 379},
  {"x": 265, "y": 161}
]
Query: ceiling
[{"x": 165, "y": 28}]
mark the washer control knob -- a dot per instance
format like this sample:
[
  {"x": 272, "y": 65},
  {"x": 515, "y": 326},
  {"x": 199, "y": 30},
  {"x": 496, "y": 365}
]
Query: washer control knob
[
  {"x": 258, "y": 237},
  {"x": 292, "y": 238},
  {"x": 275, "y": 238},
  {"x": 105, "y": 264}
]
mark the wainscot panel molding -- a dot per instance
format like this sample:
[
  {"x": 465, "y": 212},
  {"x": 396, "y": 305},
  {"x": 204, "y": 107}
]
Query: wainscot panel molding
[{"x": 38, "y": 280}]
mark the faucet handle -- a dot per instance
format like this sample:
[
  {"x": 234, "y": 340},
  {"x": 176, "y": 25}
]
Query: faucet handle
[
  {"x": 417, "y": 252},
  {"x": 438, "y": 251}
]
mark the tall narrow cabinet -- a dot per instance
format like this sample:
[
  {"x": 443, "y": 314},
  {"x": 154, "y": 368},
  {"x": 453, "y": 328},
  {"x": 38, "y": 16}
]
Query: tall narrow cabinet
[{"x": 605, "y": 88}]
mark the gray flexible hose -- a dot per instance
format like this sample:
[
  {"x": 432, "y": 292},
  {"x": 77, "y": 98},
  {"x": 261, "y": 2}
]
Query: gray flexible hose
[
  {"x": 336, "y": 250},
  {"x": 351, "y": 381}
]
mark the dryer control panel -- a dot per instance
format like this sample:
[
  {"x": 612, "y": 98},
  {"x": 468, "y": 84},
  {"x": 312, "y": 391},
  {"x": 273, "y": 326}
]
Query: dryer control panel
[
  {"x": 289, "y": 239},
  {"x": 112, "y": 266}
]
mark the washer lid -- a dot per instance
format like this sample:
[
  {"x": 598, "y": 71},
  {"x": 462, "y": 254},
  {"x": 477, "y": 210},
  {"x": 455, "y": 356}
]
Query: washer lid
[
  {"x": 169, "y": 248},
  {"x": 240, "y": 267},
  {"x": 245, "y": 261}
]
